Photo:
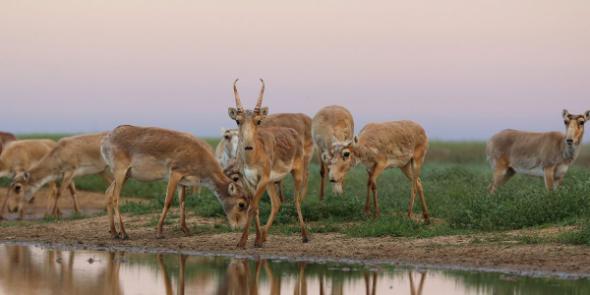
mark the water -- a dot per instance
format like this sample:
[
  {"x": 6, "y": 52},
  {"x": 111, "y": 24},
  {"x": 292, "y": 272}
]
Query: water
[{"x": 34, "y": 270}]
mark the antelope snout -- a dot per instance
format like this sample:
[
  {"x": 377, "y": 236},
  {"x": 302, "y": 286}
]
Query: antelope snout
[
  {"x": 569, "y": 141},
  {"x": 332, "y": 180},
  {"x": 249, "y": 148}
]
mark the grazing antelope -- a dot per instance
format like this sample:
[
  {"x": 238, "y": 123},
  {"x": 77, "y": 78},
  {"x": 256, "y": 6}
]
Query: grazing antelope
[
  {"x": 19, "y": 156},
  {"x": 379, "y": 146},
  {"x": 5, "y": 138},
  {"x": 73, "y": 156},
  {"x": 547, "y": 154},
  {"x": 330, "y": 125},
  {"x": 151, "y": 154},
  {"x": 265, "y": 156}
]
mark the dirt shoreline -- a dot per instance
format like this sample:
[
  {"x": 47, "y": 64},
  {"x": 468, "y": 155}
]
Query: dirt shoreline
[
  {"x": 447, "y": 252},
  {"x": 497, "y": 252}
]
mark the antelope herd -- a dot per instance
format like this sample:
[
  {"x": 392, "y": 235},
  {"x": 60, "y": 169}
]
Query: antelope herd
[{"x": 257, "y": 156}]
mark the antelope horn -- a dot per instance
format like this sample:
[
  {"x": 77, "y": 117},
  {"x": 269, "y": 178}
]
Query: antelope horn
[
  {"x": 260, "y": 96},
  {"x": 237, "y": 96}
]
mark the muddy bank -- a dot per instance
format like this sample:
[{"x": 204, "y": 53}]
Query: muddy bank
[
  {"x": 487, "y": 251},
  {"x": 456, "y": 251}
]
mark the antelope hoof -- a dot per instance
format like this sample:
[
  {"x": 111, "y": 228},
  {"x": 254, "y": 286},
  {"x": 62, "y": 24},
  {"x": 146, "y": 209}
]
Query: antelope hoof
[
  {"x": 264, "y": 235},
  {"x": 305, "y": 240},
  {"x": 241, "y": 244},
  {"x": 258, "y": 243},
  {"x": 186, "y": 231},
  {"x": 115, "y": 236}
]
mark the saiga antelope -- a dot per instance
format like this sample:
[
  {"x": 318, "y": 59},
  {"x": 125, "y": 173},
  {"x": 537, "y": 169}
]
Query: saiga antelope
[
  {"x": 266, "y": 156},
  {"x": 226, "y": 149},
  {"x": 19, "y": 156},
  {"x": 72, "y": 157},
  {"x": 379, "y": 146},
  {"x": 547, "y": 154},
  {"x": 151, "y": 154},
  {"x": 330, "y": 125},
  {"x": 299, "y": 122},
  {"x": 5, "y": 138}
]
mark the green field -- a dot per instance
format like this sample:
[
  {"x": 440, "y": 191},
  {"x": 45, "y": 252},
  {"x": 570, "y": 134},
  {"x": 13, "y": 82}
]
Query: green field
[{"x": 455, "y": 179}]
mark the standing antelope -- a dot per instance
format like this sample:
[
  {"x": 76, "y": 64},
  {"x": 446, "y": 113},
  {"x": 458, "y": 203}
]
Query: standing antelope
[
  {"x": 266, "y": 156},
  {"x": 379, "y": 146},
  {"x": 19, "y": 156},
  {"x": 301, "y": 123},
  {"x": 547, "y": 154},
  {"x": 72, "y": 157},
  {"x": 5, "y": 138},
  {"x": 330, "y": 125},
  {"x": 151, "y": 154},
  {"x": 226, "y": 149}
]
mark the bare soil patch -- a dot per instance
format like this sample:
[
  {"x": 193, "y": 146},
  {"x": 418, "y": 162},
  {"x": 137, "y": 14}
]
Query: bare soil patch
[{"x": 500, "y": 251}]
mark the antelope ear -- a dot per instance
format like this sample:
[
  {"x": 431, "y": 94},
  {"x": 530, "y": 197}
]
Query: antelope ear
[
  {"x": 232, "y": 189},
  {"x": 565, "y": 114},
  {"x": 233, "y": 113},
  {"x": 587, "y": 114},
  {"x": 263, "y": 111}
]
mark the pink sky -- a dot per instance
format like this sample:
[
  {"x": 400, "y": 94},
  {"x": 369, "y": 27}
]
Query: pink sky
[{"x": 464, "y": 69}]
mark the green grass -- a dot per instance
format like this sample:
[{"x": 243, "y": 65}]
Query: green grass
[
  {"x": 581, "y": 236},
  {"x": 455, "y": 179}
]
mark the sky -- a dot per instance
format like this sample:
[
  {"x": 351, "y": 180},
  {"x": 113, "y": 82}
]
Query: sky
[{"x": 464, "y": 69}]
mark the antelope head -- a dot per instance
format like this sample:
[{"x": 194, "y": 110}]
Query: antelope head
[
  {"x": 231, "y": 142},
  {"x": 342, "y": 160},
  {"x": 235, "y": 205},
  {"x": 20, "y": 188},
  {"x": 248, "y": 120},
  {"x": 574, "y": 127}
]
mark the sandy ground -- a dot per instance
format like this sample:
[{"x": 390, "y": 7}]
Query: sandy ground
[{"x": 490, "y": 251}]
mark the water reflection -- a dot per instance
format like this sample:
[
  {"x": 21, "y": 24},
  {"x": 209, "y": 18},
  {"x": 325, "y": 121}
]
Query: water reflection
[{"x": 32, "y": 270}]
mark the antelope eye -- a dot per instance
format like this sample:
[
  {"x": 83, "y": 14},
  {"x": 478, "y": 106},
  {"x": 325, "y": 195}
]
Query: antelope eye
[
  {"x": 258, "y": 122},
  {"x": 238, "y": 122},
  {"x": 565, "y": 122},
  {"x": 581, "y": 123}
]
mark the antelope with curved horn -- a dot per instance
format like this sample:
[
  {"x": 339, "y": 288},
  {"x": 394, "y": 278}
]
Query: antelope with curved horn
[
  {"x": 151, "y": 154},
  {"x": 547, "y": 154},
  {"x": 226, "y": 150},
  {"x": 265, "y": 156},
  {"x": 331, "y": 124},
  {"x": 379, "y": 146}
]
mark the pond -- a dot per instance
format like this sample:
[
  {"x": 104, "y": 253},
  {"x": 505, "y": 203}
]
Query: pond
[{"x": 38, "y": 270}]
